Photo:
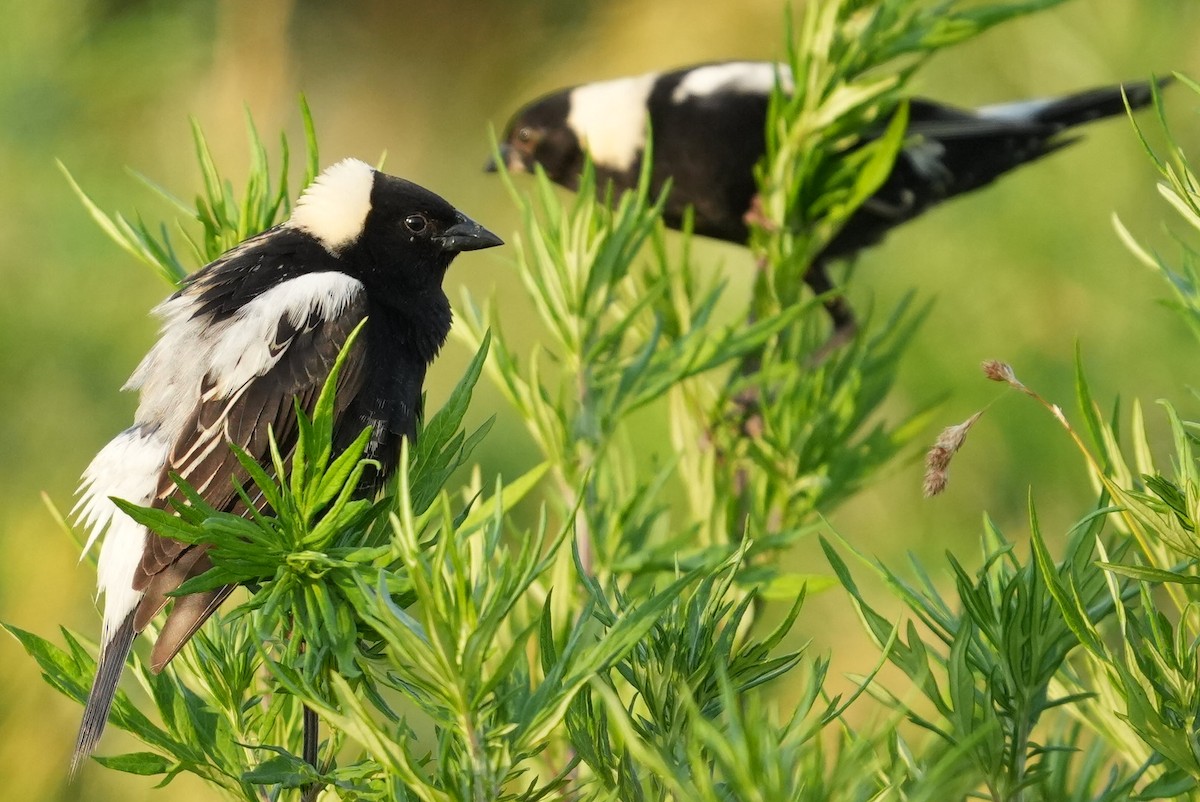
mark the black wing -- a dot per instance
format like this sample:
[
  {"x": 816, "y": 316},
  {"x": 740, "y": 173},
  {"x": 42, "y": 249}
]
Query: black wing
[{"x": 202, "y": 457}]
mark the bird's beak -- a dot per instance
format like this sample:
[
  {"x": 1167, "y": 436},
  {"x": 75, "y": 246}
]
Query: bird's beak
[
  {"x": 491, "y": 165},
  {"x": 467, "y": 235}
]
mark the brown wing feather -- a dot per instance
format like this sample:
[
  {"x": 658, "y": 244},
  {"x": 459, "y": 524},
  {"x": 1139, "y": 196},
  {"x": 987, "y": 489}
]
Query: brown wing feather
[{"x": 202, "y": 458}]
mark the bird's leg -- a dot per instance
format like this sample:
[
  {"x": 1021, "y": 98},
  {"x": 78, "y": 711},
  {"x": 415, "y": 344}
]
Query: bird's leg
[
  {"x": 817, "y": 278},
  {"x": 845, "y": 325}
]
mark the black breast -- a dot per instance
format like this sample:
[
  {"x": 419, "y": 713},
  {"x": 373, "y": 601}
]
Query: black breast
[{"x": 398, "y": 352}]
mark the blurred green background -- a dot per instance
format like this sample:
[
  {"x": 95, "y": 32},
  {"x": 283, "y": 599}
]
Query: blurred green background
[{"x": 1020, "y": 272}]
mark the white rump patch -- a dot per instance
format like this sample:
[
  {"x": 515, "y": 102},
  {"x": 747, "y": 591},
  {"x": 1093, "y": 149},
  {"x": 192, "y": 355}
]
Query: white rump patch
[
  {"x": 741, "y": 77},
  {"x": 127, "y": 468},
  {"x": 1020, "y": 111},
  {"x": 610, "y": 119},
  {"x": 334, "y": 207}
]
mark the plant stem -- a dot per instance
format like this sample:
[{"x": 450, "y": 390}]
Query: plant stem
[{"x": 312, "y": 740}]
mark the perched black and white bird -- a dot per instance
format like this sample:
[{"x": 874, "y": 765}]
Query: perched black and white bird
[
  {"x": 708, "y": 125},
  {"x": 242, "y": 338}
]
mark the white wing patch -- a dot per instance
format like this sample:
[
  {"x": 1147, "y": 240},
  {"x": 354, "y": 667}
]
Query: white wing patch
[
  {"x": 190, "y": 347},
  {"x": 335, "y": 205},
  {"x": 743, "y": 77},
  {"x": 609, "y": 117},
  {"x": 231, "y": 352}
]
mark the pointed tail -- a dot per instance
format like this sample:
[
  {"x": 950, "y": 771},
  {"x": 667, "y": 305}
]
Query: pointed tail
[
  {"x": 1099, "y": 103},
  {"x": 1079, "y": 108},
  {"x": 113, "y": 652}
]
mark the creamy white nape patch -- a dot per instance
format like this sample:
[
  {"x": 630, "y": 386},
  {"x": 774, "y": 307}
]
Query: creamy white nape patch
[
  {"x": 610, "y": 119},
  {"x": 335, "y": 205},
  {"x": 744, "y": 77},
  {"x": 1016, "y": 112}
]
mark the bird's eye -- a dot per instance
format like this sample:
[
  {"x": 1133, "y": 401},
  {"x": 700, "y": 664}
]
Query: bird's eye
[
  {"x": 417, "y": 223},
  {"x": 525, "y": 134}
]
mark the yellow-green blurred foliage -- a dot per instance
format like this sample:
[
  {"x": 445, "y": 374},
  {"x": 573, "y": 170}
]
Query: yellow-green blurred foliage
[{"x": 1020, "y": 272}]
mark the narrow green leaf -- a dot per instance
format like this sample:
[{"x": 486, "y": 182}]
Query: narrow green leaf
[
  {"x": 1148, "y": 574},
  {"x": 159, "y": 521},
  {"x": 143, "y": 763}
]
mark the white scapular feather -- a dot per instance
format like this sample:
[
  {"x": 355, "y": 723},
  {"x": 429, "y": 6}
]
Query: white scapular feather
[
  {"x": 241, "y": 350},
  {"x": 335, "y": 205},
  {"x": 231, "y": 352}
]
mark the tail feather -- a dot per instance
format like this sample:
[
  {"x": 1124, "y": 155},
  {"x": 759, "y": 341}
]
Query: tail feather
[
  {"x": 113, "y": 653},
  {"x": 1096, "y": 104},
  {"x": 186, "y": 616}
]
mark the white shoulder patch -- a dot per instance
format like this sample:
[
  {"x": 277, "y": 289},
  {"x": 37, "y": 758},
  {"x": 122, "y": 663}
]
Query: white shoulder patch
[
  {"x": 609, "y": 117},
  {"x": 335, "y": 205},
  {"x": 231, "y": 352},
  {"x": 242, "y": 349},
  {"x": 744, "y": 77},
  {"x": 1016, "y": 112}
]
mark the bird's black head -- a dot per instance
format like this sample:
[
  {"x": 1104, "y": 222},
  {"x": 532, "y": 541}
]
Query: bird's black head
[
  {"x": 393, "y": 235},
  {"x": 540, "y": 134}
]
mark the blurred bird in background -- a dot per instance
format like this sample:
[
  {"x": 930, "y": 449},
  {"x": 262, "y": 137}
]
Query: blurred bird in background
[{"x": 708, "y": 126}]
